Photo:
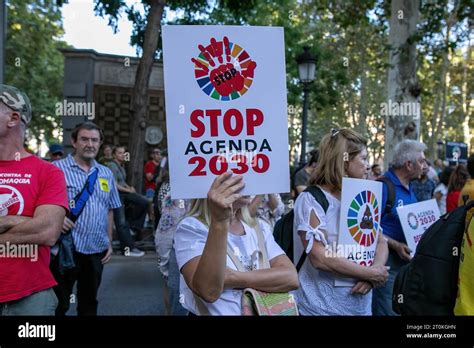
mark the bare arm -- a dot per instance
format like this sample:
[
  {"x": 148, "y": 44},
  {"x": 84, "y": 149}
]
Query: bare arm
[
  {"x": 381, "y": 252},
  {"x": 124, "y": 188},
  {"x": 401, "y": 248},
  {"x": 205, "y": 274},
  {"x": 42, "y": 229},
  {"x": 110, "y": 250},
  {"x": 7, "y": 222},
  {"x": 300, "y": 188},
  {"x": 321, "y": 259},
  {"x": 253, "y": 206},
  {"x": 281, "y": 277}
]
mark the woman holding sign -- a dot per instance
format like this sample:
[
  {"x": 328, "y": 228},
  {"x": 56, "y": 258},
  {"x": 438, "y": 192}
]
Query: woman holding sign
[
  {"x": 215, "y": 227},
  {"x": 342, "y": 153}
]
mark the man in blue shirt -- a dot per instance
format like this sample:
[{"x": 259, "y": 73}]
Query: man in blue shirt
[
  {"x": 408, "y": 163},
  {"x": 92, "y": 231},
  {"x": 424, "y": 187}
]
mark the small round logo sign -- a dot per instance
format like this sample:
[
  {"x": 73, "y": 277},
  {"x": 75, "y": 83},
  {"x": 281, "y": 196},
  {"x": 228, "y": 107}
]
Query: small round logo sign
[{"x": 412, "y": 221}]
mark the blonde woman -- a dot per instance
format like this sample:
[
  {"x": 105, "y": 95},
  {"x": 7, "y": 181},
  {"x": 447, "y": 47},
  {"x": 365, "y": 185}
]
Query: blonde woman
[
  {"x": 342, "y": 153},
  {"x": 210, "y": 282}
]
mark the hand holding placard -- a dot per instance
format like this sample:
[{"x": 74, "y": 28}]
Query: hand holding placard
[
  {"x": 222, "y": 194},
  {"x": 232, "y": 80}
]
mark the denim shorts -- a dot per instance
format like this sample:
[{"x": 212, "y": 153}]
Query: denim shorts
[
  {"x": 40, "y": 303},
  {"x": 149, "y": 193}
]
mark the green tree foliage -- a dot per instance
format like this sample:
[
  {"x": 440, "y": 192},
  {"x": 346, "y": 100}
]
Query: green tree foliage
[
  {"x": 33, "y": 60},
  {"x": 350, "y": 40}
]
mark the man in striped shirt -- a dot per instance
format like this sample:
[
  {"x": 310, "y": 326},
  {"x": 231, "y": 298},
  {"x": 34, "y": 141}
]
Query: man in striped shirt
[{"x": 92, "y": 232}]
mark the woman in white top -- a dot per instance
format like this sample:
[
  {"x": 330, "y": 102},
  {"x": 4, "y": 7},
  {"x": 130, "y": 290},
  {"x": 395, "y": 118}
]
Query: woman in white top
[
  {"x": 441, "y": 191},
  {"x": 209, "y": 277},
  {"x": 268, "y": 207},
  {"x": 342, "y": 153}
]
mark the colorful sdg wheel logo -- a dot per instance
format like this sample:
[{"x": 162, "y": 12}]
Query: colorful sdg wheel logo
[
  {"x": 223, "y": 70},
  {"x": 363, "y": 218},
  {"x": 412, "y": 221}
]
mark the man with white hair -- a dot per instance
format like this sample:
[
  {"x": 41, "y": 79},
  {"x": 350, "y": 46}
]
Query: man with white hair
[
  {"x": 407, "y": 164},
  {"x": 32, "y": 209}
]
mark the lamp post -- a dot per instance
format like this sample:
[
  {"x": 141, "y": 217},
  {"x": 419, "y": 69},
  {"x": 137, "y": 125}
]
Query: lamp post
[
  {"x": 306, "y": 70},
  {"x": 440, "y": 144}
]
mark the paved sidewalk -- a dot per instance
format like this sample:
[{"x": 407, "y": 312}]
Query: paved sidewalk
[{"x": 130, "y": 286}]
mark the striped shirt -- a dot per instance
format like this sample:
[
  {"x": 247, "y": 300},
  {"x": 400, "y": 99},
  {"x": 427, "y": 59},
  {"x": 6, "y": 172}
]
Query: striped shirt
[{"x": 90, "y": 234}]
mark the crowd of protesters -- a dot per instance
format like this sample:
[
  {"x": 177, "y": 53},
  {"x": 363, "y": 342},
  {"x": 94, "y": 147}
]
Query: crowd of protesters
[{"x": 209, "y": 249}]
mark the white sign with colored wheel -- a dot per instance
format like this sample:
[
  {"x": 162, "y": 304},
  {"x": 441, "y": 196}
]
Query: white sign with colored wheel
[
  {"x": 225, "y": 91},
  {"x": 415, "y": 219},
  {"x": 359, "y": 224}
]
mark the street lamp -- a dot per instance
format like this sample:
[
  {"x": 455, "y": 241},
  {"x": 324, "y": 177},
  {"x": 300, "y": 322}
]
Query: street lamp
[
  {"x": 440, "y": 144},
  {"x": 306, "y": 70}
]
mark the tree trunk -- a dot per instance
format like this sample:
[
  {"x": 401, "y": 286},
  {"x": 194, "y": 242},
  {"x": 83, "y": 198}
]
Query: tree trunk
[
  {"x": 440, "y": 110},
  {"x": 139, "y": 113},
  {"x": 402, "y": 80},
  {"x": 362, "y": 126},
  {"x": 466, "y": 99}
]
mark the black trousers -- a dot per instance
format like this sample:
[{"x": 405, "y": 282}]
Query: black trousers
[{"x": 88, "y": 274}]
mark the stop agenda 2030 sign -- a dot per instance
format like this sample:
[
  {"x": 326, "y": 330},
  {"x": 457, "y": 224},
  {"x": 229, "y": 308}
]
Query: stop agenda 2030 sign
[{"x": 226, "y": 110}]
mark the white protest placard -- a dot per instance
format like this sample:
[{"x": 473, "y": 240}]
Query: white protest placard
[
  {"x": 415, "y": 219},
  {"x": 359, "y": 223},
  {"x": 226, "y": 110}
]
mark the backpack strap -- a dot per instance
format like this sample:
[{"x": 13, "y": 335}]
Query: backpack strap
[
  {"x": 320, "y": 197},
  {"x": 79, "y": 202},
  {"x": 465, "y": 199},
  {"x": 264, "y": 261},
  {"x": 391, "y": 194},
  {"x": 235, "y": 260}
]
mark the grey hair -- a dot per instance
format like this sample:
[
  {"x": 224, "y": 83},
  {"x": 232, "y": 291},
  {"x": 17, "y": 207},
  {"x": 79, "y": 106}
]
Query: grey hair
[{"x": 406, "y": 150}]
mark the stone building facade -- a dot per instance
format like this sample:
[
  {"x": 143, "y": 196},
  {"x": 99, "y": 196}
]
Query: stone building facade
[{"x": 107, "y": 81}]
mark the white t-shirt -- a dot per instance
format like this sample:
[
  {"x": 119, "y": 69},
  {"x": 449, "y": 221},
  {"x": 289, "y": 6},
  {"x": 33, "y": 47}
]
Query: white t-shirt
[
  {"x": 317, "y": 294},
  {"x": 189, "y": 242},
  {"x": 442, "y": 188}
]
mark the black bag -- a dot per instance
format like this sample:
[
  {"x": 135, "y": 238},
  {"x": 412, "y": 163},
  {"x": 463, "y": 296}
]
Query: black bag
[
  {"x": 428, "y": 284},
  {"x": 283, "y": 230}
]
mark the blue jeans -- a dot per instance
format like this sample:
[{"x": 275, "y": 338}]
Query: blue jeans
[
  {"x": 382, "y": 297},
  {"x": 173, "y": 284},
  {"x": 123, "y": 229},
  {"x": 40, "y": 303}
]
